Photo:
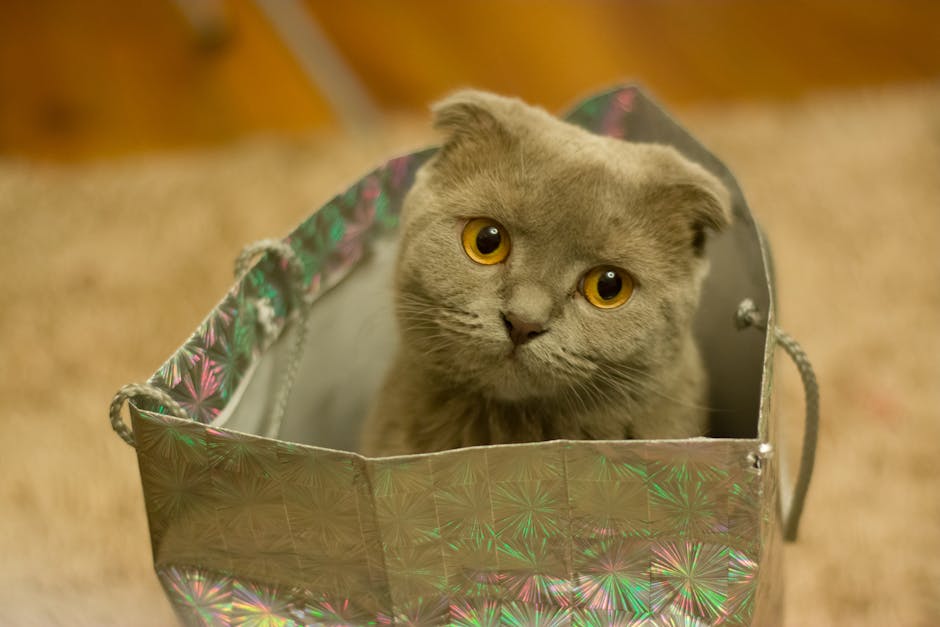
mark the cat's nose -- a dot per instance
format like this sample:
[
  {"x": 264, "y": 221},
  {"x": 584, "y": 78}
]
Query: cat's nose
[{"x": 521, "y": 331}]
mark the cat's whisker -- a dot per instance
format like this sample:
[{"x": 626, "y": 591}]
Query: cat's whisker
[
  {"x": 651, "y": 386},
  {"x": 420, "y": 303},
  {"x": 574, "y": 400},
  {"x": 438, "y": 321},
  {"x": 608, "y": 381},
  {"x": 437, "y": 316}
]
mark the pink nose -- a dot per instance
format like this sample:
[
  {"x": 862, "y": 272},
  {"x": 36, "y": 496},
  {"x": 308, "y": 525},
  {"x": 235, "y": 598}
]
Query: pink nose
[{"x": 521, "y": 331}]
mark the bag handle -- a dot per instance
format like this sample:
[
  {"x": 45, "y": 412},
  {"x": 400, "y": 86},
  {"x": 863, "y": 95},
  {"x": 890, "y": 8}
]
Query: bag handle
[
  {"x": 139, "y": 390},
  {"x": 284, "y": 252},
  {"x": 749, "y": 316}
]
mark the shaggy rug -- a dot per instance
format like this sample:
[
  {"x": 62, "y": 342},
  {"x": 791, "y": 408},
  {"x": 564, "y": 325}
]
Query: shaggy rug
[{"x": 107, "y": 267}]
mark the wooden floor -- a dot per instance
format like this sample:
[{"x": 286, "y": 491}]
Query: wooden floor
[{"x": 104, "y": 77}]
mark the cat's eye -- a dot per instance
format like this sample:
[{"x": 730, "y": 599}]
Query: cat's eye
[
  {"x": 485, "y": 241},
  {"x": 607, "y": 287}
]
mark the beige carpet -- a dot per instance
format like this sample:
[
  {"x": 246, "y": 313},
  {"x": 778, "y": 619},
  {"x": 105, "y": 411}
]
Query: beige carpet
[{"x": 106, "y": 268}]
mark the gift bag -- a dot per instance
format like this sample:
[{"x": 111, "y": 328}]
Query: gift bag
[{"x": 261, "y": 512}]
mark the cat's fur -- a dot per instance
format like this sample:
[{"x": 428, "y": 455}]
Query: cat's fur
[{"x": 570, "y": 200}]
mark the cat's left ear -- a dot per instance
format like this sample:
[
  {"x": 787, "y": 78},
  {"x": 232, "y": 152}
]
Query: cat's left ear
[
  {"x": 709, "y": 201},
  {"x": 703, "y": 199}
]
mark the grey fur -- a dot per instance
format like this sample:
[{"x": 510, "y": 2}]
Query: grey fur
[{"x": 570, "y": 201}]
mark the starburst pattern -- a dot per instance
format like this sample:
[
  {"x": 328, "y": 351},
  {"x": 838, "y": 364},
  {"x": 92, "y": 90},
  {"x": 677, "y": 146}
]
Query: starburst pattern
[
  {"x": 315, "y": 468},
  {"x": 178, "y": 441},
  {"x": 198, "y": 390},
  {"x": 348, "y": 250},
  {"x": 217, "y": 334},
  {"x": 536, "y": 572},
  {"x": 706, "y": 461},
  {"x": 690, "y": 577},
  {"x": 613, "y": 574},
  {"x": 337, "y": 253},
  {"x": 407, "y": 518},
  {"x": 532, "y": 509},
  {"x": 311, "y": 244},
  {"x": 217, "y": 327},
  {"x": 341, "y": 570},
  {"x": 422, "y": 612},
  {"x": 608, "y": 508},
  {"x": 257, "y": 605},
  {"x": 415, "y": 571},
  {"x": 323, "y": 517},
  {"x": 174, "y": 491},
  {"x": 333, "y": 612},
  {"x": 475, "y": 613},
  {"x": 742, "y": 584},
  {"x": 528, "y": 614},
  {"x": 240, "y": 453},
  {"x": 610, "y": 618},
  {"x": 471, "y": 567},
  {"x": 743, "y": 517},
  {"x": 265, "y": 283},
  {"x": 465, "y": 511},
  {"x": 515, "y": 464},
  {"x": 673, "y": 617},
  {"x": 608, "y": 580},
  {"x": 203, "y": 597},
  {"x": 194, "y": 540},
  {"x": 395, "y": 476},
  {"x": 244, "y": 339},
  {"x": 459, "y": 468},
  {"x": 688, "y": 509},
  {"x": 171, "y": 373},
  {"x": 248, "y": 502},
  {"x": 605, "y": 461}
]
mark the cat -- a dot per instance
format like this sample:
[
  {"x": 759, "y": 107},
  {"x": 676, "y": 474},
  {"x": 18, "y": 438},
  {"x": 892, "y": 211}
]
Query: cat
[{"x": 546, "y": 284}]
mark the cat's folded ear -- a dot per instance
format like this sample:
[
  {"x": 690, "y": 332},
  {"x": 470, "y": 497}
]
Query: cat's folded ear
[
  {"x": 472, "y": 115},
  {"x": 697, "y": 196},
  {"x": 706, "y": 197},
  {"x": 695, "y": 191}
]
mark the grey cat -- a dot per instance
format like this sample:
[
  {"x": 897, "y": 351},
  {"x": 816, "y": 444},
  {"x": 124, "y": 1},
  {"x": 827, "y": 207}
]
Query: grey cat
[{"x": 545, "y": 287}]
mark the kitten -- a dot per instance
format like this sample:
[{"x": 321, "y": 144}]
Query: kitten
[{"x": 545, "y": 287}]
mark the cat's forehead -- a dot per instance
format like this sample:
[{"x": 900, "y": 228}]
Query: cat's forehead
[{"x": 575, "y": 183}]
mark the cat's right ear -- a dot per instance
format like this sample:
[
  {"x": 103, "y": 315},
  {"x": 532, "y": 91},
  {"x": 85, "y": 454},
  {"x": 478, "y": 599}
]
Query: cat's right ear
[{"x": 470, "y": 116}]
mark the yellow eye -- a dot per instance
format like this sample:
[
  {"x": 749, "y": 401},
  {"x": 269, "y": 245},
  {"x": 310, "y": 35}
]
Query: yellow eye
[
  {"x": 607, "y": 287},
  {"x": 485, "y": 241}
]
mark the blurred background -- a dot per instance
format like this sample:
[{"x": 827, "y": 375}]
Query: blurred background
[
  {"x": 142, "y": 144},
  {"x": 102, "y": 78}
]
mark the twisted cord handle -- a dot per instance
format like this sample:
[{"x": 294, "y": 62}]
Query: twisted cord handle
[
  {"x": 281, "y": 250},
  {"x": 749, "y": 316},
  {"x": 139, "y": 390}
]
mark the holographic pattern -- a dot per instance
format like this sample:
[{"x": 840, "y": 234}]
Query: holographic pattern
[
  {"x": 252, "y": 531},
  {"x": 202, "y": 375},
  {"x": 423, "y": 540}
]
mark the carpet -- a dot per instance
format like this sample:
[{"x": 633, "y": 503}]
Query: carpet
[{"x": 108, "y": 266}]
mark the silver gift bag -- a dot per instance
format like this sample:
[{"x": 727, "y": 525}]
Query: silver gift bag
[{"x": 262, "y": 513}]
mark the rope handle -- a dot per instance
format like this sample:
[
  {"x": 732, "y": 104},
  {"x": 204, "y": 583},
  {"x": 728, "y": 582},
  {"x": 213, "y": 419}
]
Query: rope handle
[
  {"x": 139, "y": 390},
  {"x": 749, "y": 316},
  {"x": 281, "y": 250}
]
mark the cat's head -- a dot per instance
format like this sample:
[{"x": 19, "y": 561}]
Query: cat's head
[{"x": 541, "y": 260}]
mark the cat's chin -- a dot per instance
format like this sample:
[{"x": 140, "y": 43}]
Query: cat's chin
[{"x": 515, "y": 379}]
